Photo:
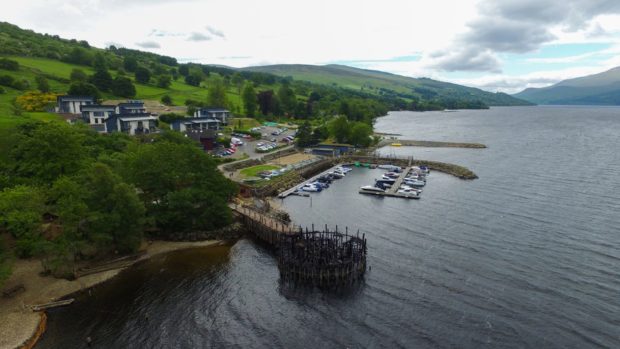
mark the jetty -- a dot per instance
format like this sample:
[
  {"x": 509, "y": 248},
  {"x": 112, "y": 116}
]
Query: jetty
[
  {"x": 393, "y": 190},
  {"x": 327, "y": 258},
  {"x": 295, "y": 188}
]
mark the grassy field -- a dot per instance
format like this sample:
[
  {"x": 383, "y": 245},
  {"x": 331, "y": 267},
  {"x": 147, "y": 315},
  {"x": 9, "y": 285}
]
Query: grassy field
[{"x": 255, "y": 170}]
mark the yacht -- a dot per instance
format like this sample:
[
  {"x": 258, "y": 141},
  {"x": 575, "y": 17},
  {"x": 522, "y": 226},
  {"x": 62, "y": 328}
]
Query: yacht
[
  {"x": 311, "y": 188},
  {"x": 371, "y": 189}
]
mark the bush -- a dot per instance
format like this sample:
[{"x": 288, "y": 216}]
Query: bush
[
  {"x": 123, "y": 87},
  {"x": 2, "y": 90},
  {"x": 8, "y": 64},
  {"x": 6, "y": 80},
  {"x": 256, "y": 135},
  {"x": 36, "y": 100},
  {"x": 166, "y": 100},
  {"x": 84, "y": 89},
  {"x": 170, "y": 117}
]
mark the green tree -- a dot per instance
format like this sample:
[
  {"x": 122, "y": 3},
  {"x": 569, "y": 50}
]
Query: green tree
[
  {"x": 288, "y": 102},
  {"x": 164, "y": 81},
  {"x": 304, "y": 135},
  {"x": 42, "y": 84},
  {"x": 43, "y": 152},
  {"x": 123, "y": 87},
  {"x": 130, "y": 63},
  {"x": 339, "y": 129},
  {"x": 9, "y": 64},
  {"x": 21, "y": 214},
  {"x": 143, "y": 75},
  {"x": 216, "y": 94},
  {"x": 78, "y": 75},
  {"x": 193, "y": 79},
  {"x": 84, "y": 89},
  {"x": 166, "y": 100},
  {"x": 249, "y": 99},
  {"x": 237, "y": 80},
  {"x": 102, "y": 80},
  {"x": 361, "y": 134}
]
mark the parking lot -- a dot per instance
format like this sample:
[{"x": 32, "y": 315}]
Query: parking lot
[{"x": 249, "y": 146}]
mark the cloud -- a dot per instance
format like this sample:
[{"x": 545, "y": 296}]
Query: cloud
[
  {"x": 195, "y": 36},
  {"x": 518, "y": 26},
  {"x": 215, "y": 32},
  {"x": 148, "y": 44}
]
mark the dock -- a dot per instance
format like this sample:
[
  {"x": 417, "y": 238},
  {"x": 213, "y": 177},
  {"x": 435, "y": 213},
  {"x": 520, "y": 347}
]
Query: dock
[
  {"x": 295, "y": 188},
  {"x": 393, "y": 190}
]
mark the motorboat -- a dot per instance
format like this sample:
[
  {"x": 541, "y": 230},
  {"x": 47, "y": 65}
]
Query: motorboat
[
  {"x": 320, "y": 184},
  {"x": 336, "y": 174},
  {"x": 391, "y": 168},
  {"x": 391, "y": 174},
  {"x": 415, "y": 183},
  {"x": 386, "y": 178},
  {"x": 409, "y": 193},
  {"x": 371, "y": 189},
  {"x": 311, "y": 188},
  {"x": 406, "y": 187},
  {"x": 343, "y": 169}
]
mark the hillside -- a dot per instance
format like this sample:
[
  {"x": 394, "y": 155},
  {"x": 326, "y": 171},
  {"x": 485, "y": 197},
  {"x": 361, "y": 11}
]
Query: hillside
[
  {"x": 597, "y": 89},
  {"x": 381, "y": 83}
]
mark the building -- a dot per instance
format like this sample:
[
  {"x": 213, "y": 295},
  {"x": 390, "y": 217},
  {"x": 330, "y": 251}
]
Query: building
[
  {"x": 96, "y": 115},
  {"x": 207, "y": 138},
  {"x": 220, "y": 114},
  {"x": 195, "y": 124},
  {"x": 131, "y": 107},
  {"x": 132, "y": 124},
  {"x": 72, "y": 104}
]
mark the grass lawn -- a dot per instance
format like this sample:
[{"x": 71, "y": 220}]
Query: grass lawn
[
  {"x": 255, "y": 170},
  {"x": 244, "y": 123}
]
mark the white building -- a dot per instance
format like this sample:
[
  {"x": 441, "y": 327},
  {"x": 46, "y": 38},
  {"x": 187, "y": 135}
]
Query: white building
[
  {"x": 72, "y": 104},
  {"x": 96, "y": 115}
]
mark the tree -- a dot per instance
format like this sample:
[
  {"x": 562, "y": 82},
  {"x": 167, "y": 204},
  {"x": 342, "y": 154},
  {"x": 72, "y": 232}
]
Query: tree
[
  {"x": 42, "y": 84},
  {"x": 184, "y": 70},
  {"x": 216, "y": 94},
  {"x": 123, "y": 87},
  {"x": 193, "y": 79},
  {"x": 164, "y": 81},
  {"x": 360, "y": 134},
  {"x": 130, "y": 63},
  {"x": 287, "y": 98},
  {"x": 78, "y": 75},
  {"x": 249, "y": 99},
  {"x": 166, "y": 100},
  {"x": 320, "y": 134},
  {"x": 102, "y": 80},
  {"x": 237, "y": 80},
  {"x": 21, "y": 214},
  {"x": 84, "y": 89},
  {"x": 304, "y": 135},
  {"x": 339, "y": 129},
  {"x": 266, "y": 102},
  {"x": 9, "y": 64},
  {"x": 143, "y": 75},
  {"x": 99, "y": 62},
  {"x": 43, "y": 152}
]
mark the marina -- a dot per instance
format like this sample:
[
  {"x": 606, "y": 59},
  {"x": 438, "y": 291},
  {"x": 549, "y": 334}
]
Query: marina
[{"x": 401, "y": 187}]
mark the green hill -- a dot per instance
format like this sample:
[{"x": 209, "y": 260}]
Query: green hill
[
  {"x": 597, "y": 89},
  {"x": 386, "y": 84}
]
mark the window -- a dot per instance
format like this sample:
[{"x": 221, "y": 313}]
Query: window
[{"x": 98, "y": 113}]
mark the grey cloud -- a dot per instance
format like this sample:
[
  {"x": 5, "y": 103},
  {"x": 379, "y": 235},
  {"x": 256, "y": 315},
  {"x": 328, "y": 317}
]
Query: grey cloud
[
  {"x": 148, "y": 44},
  {"x": 517, "y": 26},
  {"x": 198, "y": 37},
  {"x": 215, "y": 32},
  {"x": 467, "y": 59}
]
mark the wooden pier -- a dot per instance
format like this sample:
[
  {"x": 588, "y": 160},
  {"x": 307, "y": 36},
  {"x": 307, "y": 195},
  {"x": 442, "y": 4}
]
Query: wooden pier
[{"x": 393, "y": 190}]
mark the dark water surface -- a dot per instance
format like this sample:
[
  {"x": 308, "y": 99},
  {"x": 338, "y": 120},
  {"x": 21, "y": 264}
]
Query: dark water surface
[{"x": 526, "y": 256}]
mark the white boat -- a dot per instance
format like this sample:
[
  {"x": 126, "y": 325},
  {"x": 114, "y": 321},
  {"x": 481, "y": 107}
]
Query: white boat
[
  {"x": 343, "y": 169},
  {"x": 406, "y": 187},
  {"x": 371, "y": 189},
  {"x": 409, "y": 194},
  {"x": 415, "y": 183},
  {"x": 311, "y": 188},
  {"x": 336, "y": 174},
  {"x": 392, "y": 168}
]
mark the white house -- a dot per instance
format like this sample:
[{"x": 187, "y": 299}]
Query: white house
[
  {"x": 220, "y": 114},
  {"x": 72, "y": 104},
  {"x": 95, "y": 115},
  {"x": 136, "y": 124}
]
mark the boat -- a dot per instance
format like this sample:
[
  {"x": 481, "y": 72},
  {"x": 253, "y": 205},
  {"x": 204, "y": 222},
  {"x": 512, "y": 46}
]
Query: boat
[
  {"x": 408, "y": 194},
  {"x": 396, "y": 145},
  {"x": 311, "y": 188},
  {"x": 386, "y": 178},
  {"x": 336, "y": 174},
  {"x": 371, "y": 189},
  {"x": 391, "y": 168},
  {"x": 319, "y": 184},
  {"x": 415, "y": 183},
  {"x": 391, "y": 174},
  {"x": 343, "y": 169},
  {"x": 406, "y": 187}
]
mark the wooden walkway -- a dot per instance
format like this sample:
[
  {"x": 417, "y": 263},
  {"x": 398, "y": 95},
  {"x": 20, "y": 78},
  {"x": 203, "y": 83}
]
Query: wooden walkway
[
  {"x": 265, "y": 227},
  {"x": 399, "y": 181}
]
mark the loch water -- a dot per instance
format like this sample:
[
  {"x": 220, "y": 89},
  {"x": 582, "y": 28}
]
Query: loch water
[{"x": 526, "y": 256}]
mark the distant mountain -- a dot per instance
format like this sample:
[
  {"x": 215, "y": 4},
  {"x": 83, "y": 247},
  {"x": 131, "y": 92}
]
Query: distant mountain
[
  {"x": 381, "y": 83},
  {"x": 597, "y": 89}
]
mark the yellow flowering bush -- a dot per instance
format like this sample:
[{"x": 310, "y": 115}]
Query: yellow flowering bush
[{"x": 36, "y": 100}]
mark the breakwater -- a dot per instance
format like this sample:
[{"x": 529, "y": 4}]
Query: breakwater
[
  {"x": 451, "y": 169},
  {"x": 430, "y": 144}
]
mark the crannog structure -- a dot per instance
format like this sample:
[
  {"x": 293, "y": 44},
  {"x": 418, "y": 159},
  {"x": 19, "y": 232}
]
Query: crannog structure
[
  {"x": 96, "y": 115},
  {"x": 220, "y": 114},
  {"x": 72, "y": 104}
]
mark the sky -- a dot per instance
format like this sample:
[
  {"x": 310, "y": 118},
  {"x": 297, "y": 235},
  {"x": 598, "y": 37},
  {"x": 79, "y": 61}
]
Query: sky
[{"x": 496, "y": 45}]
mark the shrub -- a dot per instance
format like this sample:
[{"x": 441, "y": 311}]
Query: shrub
[
  {"x": 166, "y": 100},
  {"x": 6, "y": 80},
  {"x": 2, "y": 90},
  {"x": 8, "y": 64},
  {"x": 36, "y": 100}
]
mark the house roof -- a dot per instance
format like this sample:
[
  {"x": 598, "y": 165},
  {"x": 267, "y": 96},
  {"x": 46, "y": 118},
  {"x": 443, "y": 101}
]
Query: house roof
[
  {"x": 137, "y": 118},
  {"x": 75, "y": 98},
  {"x": 214, "y": 110},
  {"x": 97, "y": 107}
]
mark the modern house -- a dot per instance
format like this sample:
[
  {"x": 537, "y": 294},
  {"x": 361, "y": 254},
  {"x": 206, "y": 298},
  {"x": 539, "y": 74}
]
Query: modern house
[
  {"x": 220, "y": 114},
  {"x": 132, "y": 124},
  {"x": 72, "y": 104},
  {"x": 195, "y": 124},
  {"x": 95, "y": 115},
  {"x": 131, "y": 107}
]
